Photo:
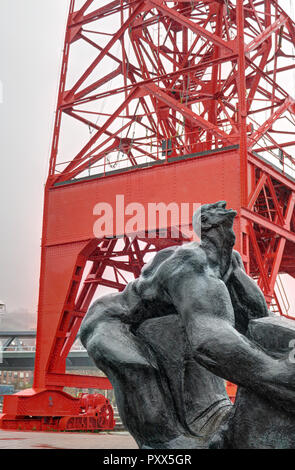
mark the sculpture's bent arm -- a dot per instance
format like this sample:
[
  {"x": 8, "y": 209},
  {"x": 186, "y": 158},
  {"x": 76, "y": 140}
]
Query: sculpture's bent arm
[
  {"x": 108, "y": 339},
  {"x": 205, "y": 307}
]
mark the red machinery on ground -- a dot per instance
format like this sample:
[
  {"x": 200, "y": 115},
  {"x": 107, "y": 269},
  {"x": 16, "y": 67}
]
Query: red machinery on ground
[
  {"x": 180, "y": 102},
  {"x": 88, "y": 412}
]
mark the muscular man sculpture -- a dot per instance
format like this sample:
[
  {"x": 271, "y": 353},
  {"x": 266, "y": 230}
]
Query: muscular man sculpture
[{"x": 168, "y": 341}]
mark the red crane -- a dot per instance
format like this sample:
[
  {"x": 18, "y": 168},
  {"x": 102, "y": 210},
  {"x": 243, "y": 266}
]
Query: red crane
[{"x": 159, "y": 102}]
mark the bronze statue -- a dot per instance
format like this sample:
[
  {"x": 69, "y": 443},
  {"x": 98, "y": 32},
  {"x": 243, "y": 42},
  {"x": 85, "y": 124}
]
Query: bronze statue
[{"x": 191, "y": 320}]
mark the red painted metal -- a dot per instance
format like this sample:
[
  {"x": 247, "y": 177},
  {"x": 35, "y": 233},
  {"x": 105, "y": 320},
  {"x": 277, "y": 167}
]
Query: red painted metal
[
  {"x": 231, "y": 391},
  {"x": 57, "y": 411},
  {"x": 180, "y": 102}
]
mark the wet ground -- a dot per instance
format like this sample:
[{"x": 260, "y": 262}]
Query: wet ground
[{"x": 65, "y": 440}]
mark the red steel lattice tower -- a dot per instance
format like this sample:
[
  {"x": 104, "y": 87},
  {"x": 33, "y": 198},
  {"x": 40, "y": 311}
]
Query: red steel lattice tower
[{"x": 161, "y": 101}]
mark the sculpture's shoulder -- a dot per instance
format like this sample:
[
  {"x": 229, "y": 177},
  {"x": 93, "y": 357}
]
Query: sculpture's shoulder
[
  {"x": 188, "y": 259},
  {"x": 179, "y": 274},
  {"x": 160, "y": 257},
  {"x": 175, "y": 262}
]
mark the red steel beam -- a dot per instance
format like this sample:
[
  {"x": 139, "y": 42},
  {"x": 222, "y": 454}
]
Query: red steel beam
[
  {"x": 257, "y": 191},
  {"x": 184, "y": 21},
  {"x": 258, "y": 40},
  {"x": 266, "y": 223},
  {"x": 78, "y": 381},
  {"x": 106, "y": 49},
  {"x": 269, "y": 122},
  {"x": 187, "y": 113},
  {"x": 267, "y": 168}
]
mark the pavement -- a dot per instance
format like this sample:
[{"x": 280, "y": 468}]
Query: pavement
[{"x": 65, "y": 440}]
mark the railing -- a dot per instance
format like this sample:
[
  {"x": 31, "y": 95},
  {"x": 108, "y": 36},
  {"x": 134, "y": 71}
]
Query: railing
[
  {"x": 25, "y": 349},
  {"x": 282, "y": 160},
  {"x": 18, "y": 349},
  {"x": 145, "y": 150}
]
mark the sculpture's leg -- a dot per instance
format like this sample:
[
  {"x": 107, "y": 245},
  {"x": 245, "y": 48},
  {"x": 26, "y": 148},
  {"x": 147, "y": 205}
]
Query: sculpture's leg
[{"x": 142, "y": 395}]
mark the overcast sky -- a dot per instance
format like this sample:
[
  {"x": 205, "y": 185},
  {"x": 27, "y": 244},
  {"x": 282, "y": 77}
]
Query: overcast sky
[{"x": 32, "y": 34}]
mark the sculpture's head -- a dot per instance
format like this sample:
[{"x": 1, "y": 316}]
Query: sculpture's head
[{"x": 212, "y": 216}]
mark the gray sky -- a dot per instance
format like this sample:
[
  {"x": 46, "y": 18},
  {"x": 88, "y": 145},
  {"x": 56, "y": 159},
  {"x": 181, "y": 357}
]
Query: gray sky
[
  {"x": 31, "y": 43},
  {"x": 32, "y": 34}
]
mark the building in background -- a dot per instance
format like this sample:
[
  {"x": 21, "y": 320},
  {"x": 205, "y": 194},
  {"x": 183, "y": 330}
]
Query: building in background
[
  {"x": 19, "y": 379},
  {"x": 2, "y": 308}
]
